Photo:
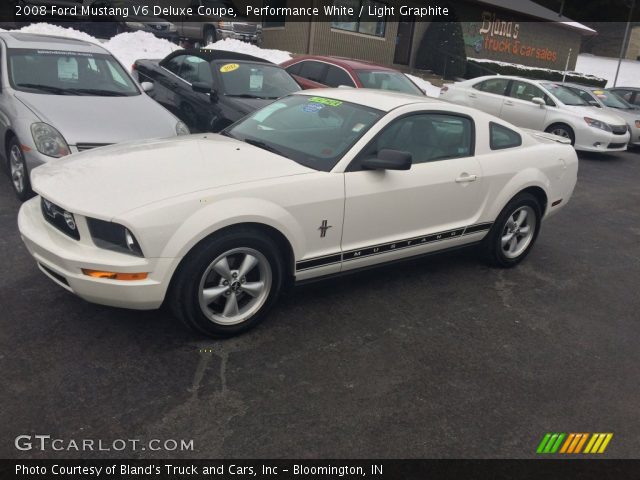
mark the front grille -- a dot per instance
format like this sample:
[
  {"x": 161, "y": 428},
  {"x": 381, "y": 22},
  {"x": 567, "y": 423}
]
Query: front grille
[
  {"x": 616, "y": 145},
  {"x": 245, "y": 28},
  {"x": 59, "y": 218},
  {"x": 619, "y": 129},
  {"x": 89, "y": 146}
]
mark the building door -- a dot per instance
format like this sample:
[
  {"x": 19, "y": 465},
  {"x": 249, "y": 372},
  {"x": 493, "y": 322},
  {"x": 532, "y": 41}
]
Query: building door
[{"x": 404, "y": 40}]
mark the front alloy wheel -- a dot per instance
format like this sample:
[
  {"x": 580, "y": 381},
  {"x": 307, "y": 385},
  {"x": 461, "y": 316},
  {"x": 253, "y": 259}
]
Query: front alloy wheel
[
  {"x": 18, "y": 171},
  {"x": 228, "y": 282},
  {"x": 234, "y": 286}
]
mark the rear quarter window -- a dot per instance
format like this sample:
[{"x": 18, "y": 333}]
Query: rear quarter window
[{"x": 501, "y": 137}]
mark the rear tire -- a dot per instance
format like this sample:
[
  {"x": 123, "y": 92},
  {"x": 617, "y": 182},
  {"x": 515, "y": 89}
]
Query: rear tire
[
  {"x": 562, "y": 130},
  {"x": 514, "y": 232},
  {"x": 227, "y": 283},
  {"x": 18, "y": 172}
]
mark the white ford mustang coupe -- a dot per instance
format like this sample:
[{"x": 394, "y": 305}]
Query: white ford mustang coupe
[{"x": 318, "y": 183}]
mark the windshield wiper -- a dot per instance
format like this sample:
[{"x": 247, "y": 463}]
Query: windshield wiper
[
  {"x": 45, "y": 88},
  {"x": 248, "y": 95},
  {"x": 264, "y": 146},
  {"x": 98, "y": 92}
]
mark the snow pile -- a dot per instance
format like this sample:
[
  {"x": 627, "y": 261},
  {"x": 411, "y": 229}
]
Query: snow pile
[
  {"x": 605, "y": 67},
  {"x": 131, "y": 46},
  {"x": 233, "y": 45},
  {"x": 430, "y": 89}
]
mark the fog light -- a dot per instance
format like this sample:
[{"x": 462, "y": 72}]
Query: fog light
[
  {"x": 597, "y": 144},
  {"x": 115, "y": 275},
  {"x": 71, "y": 223}
]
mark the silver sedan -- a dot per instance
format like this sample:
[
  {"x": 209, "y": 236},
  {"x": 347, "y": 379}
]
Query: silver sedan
[{"x": 62, "y": 96}]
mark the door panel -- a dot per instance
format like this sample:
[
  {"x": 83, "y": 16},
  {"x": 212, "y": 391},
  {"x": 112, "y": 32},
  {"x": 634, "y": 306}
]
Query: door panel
[
  {"x": 518, "y": 108},
  {"x": 385, "y": 209},
  {"x": 488, "y": 95}
]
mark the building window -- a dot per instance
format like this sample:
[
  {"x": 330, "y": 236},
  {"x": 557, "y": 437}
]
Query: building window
[
  {"x": 274, "y": 20},
  {"x": 368, "y": 24}
]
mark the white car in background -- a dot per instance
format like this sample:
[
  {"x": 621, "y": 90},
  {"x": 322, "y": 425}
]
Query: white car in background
[
  {"x": 317, "y": 183},
  {"x": 542, "y": 105}
]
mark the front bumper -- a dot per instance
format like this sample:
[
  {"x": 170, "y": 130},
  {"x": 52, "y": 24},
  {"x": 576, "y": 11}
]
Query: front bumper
[
  {"x": 254, "y": 38},
  {"x": 62, "y": 259},
  {"x": 589, "y": 139}
]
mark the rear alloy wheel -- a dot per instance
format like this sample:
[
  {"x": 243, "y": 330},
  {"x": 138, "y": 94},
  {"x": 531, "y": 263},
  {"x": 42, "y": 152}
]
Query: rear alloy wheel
[
  {"x": 18, "y": 171},
  {"x": 514, "y": 232},
  {"x": 227, "y": 284},
  {"x": 563, "y": 131}
]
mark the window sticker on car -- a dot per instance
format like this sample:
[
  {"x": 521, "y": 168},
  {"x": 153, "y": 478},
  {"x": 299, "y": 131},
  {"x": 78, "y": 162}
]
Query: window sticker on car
[
  {"x": 255, "y": 80},
  {"x": 229, "y": 67},
  {"x": 312, "y": 107},
  {"x": 598, "y": 92},
  {"x": 262, "y": 115},
  {"x": 67, "y": 68},
  {"x": 62, "y": 52},
  {"x": 357, "y": 127},
  {"x": 326, "y": 101}
]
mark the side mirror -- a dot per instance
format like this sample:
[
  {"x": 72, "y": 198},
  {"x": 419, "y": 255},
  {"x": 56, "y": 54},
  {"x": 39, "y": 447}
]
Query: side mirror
[
  {"x": 538, "y": 101},
  {"x": 388, "y": 159},
  {"x": 147, "y": 86},
  {"x": 201, "y": 87}
]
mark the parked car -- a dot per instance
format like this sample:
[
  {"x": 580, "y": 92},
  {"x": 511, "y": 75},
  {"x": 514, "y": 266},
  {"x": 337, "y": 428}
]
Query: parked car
[
  {"x": 629, "y": 94},
  {"x": 599, "y": 98},
  {"x": 542, "y": 105},
  {"x": 210, "y": 89},
  {"x": 62, "y": 96},
  {"x": 317, "y": 183},
  {"x": 209, "y": 28},
  {"x": 314, "y": 71}
]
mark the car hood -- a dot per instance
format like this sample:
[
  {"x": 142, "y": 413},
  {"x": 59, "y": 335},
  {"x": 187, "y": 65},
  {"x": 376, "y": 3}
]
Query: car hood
[
  {"x": 103, "y": 120},
  {"x": 630, "y": 116},
  {"x": 597, "y": 114},
  {"x": 110, "y": 181}
]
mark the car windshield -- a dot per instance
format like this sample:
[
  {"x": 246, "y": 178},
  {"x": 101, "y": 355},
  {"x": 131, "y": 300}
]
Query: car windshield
[
  {"x": 255, "y": 80},
  {"x": 385, "y": 80},
  {"x": 311, "y": 130},
  {"x": 68, "y": 73},
  {"x": 563, "y": 94},
  {"x": 612, "y": 100}
]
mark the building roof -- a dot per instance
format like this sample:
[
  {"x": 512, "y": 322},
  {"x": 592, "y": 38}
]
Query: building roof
[{"x": 532, "y": 9}]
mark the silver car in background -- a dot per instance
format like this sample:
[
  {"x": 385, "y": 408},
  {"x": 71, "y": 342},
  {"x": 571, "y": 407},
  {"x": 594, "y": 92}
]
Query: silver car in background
[
  {"x": 62, "y": 96},
  {"x": 602, "y": 98}
]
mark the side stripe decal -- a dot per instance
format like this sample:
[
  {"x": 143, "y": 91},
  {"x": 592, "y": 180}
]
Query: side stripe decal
[{"x": 388, "y": 247}]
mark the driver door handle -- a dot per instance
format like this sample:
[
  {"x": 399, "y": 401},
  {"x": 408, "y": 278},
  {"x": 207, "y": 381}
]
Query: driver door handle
[
  {"x": 465, "y": 178},
  {"x": 508, "y": 102}
]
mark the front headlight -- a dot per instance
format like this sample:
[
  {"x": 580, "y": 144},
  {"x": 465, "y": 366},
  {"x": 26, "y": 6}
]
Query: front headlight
[
  {"x": 136, "y": 25},
  {"x": 48, "y": 140},
  {"x": 113, "y": 236},
  {"x": 592, "y": 122},
  {"x": 182, "y": 129}
]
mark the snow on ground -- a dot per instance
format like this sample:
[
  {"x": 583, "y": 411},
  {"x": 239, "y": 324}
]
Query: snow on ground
[
  {"x": 605, "y": 67},
  {"x": 131, "y": 46},
  {"x": 233, "y": 45},
  {"x": 430, "y": 89}
]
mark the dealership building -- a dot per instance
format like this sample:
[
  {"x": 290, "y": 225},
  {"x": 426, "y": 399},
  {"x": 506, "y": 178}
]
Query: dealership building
[{"x": 519, "y": 31}]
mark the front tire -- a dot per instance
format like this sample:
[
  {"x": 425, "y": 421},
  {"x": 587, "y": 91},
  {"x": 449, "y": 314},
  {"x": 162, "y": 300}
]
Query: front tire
[
  {"x": 228, "y": 283},
  {"x": 514, "y": 232},
  {"x": 562, "y": 130},
  {"x": 18, "y": 171}
]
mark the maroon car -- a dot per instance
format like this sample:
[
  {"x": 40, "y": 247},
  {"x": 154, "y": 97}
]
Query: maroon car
[{"x": 316, "y": 71}]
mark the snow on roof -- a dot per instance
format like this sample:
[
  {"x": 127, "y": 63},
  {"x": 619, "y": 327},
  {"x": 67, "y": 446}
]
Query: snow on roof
[{"x": 532, "y": 9}]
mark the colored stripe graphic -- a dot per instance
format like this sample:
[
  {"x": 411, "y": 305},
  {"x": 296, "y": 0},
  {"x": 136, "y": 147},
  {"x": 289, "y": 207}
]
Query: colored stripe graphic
[{"x": 573, "y": 443}]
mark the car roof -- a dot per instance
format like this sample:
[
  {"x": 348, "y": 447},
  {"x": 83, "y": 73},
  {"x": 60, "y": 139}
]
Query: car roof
[
  {"x": 49, "y": 42},
  {"x": 346, "y": 62},
  {"x": 210, "y": 55},
  {"x": 384, "y": 100}
]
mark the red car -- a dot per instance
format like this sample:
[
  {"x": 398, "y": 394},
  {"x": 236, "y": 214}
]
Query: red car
[{"x": 316, "y": 71}]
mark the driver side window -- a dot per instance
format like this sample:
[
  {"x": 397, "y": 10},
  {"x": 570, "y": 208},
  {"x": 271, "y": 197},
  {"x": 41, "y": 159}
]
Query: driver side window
[{"x": 427, "y": 137}]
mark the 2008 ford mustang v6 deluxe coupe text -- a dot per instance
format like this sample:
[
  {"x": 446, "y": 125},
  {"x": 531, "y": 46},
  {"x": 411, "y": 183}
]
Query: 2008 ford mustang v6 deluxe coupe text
[{"x": 316, "y": 183}]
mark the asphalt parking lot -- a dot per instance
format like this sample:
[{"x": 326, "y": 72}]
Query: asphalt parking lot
[{"x": 439, "y": 357}]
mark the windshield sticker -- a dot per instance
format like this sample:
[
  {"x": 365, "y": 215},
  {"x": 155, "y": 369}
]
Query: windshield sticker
[
  {"x": 312, "y": 107},
  {"x": 262, "y": 115},
  {"x": 58, "y": 52},
  {"x": 357, "y": 127},
  {"x": 68, "y": 68},
  {"x": 229, "y": 67},
  {"x": 598, "y": 92},
  {"x": 326, "y": 101},
  {"x": 255, "y": 81}
]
